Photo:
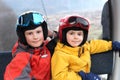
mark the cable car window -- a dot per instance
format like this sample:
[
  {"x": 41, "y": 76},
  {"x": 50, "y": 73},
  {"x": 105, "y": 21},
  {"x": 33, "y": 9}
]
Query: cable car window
[{"x": 53, "y": 10}]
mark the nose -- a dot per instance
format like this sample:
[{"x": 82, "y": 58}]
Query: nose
[
  {"x": 35, "y": 36},
  {"x": 75, "y": 36}
]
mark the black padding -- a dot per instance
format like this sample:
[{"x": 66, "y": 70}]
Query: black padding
[
  {"x": 5, "y": 58},
  {"x": 102, "y": 63}
]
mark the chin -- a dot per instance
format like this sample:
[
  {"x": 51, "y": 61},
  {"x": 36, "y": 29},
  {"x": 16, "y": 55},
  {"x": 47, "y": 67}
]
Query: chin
[
  {"x": 36, "y": 45},
  {"x": 75, "y": 45}
]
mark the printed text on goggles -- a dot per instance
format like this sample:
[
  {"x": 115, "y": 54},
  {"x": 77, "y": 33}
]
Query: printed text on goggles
[
  {"x": 78, "y": 22},
  {"x": 36, "y": 19}
]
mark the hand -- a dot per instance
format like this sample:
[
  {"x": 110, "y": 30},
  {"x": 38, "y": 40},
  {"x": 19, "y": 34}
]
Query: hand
[
  {"x": 115, "y": 45},
  {"x": 52, "y": 34},
  {"x": 89, "y": 76}
]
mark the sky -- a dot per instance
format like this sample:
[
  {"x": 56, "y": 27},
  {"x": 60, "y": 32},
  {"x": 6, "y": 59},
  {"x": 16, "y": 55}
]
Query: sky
[{"x": 54, "y": 6}]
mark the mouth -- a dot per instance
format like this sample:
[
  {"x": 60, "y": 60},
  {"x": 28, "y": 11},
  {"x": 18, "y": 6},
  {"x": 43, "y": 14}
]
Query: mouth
[
  {"x": 75, "y": 41},
  {"x": 36, "y": 41}
]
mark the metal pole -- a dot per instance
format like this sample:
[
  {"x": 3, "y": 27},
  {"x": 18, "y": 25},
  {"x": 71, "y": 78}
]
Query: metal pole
[{"x": 116, "y": 36}]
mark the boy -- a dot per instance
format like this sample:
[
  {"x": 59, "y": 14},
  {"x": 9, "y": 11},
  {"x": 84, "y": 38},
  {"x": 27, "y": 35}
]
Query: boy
[{"x": 31, "y": 57}]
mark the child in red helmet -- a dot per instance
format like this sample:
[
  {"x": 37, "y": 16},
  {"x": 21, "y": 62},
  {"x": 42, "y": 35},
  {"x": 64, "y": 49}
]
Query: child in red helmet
[
  {"x": 31, "y": 57},
  {"x": 71, "y": 59}
]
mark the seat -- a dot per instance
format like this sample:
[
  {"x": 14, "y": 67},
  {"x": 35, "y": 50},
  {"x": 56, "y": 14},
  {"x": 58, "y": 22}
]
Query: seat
[
  {"x": 5, "y": 58},
  {"x": 103, "y": 63}
]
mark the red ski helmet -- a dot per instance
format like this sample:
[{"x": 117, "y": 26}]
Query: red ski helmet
[{"x": 73, "y": 22}]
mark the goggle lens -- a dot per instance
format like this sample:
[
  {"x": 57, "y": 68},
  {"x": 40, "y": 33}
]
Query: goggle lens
[
  {"x": 36, "y": 18},
  {"x": 78, "y": 20}
]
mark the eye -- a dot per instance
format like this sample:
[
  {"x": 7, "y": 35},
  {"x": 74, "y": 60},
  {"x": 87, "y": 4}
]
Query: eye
[
  {"x": 71, "y": 33},
  {"x": 29, "y": 33},
  {"x": 39, "y": 31},
  {"x": 80, "y": 33}
]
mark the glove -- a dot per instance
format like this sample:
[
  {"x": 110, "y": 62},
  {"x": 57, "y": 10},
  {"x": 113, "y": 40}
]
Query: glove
[
  {"x": 88, "y": 76},
  {"x": 115, "y": 45}
]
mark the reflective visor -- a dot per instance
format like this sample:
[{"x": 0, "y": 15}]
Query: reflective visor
[{"x": 35, "y": 18}]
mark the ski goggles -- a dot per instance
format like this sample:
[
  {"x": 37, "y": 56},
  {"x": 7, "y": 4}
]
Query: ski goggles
[
  {"x": 35, "y": 18},
  {"x": 76, "y": 21}
]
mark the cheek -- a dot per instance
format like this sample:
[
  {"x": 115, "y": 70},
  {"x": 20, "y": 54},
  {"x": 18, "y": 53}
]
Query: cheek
[
  {"x": 28, "y": 39},
  {"x": 67, "y": 37},
  {"x": 41, "y": 35},
  {"x": 81, "y": 38}
]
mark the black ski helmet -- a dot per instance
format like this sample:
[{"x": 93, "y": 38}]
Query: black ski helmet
[
  {"x": 73, "y": 23},
  {"x": 28, "y": 21}
]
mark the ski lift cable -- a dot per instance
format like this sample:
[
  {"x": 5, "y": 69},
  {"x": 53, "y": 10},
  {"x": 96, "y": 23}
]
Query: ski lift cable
[
  {"x": 46, "y": 16},
  {"x": 44, "y": 9}
]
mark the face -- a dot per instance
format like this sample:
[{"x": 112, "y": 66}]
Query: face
[
  {"x": 74, "y": 38},
  {"x": 34, "y": 37}
]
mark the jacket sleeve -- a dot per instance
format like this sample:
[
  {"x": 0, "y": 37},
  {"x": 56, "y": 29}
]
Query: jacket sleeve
[
  {"x": 51, "y": 45},
  {"x": 18, "y": 68},
  {"x": 97, "y": 46},
  {"x": 60, "y": 70}
]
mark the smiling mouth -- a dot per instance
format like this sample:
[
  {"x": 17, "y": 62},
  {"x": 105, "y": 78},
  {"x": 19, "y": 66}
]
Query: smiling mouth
[
  {"x": 35, "y": 41},
  {"x": 75, "y": 41}
]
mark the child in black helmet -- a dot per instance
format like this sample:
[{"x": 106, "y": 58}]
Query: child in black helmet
[
  {"x": 31, "y": 57},
  {"x": 71, "y": 58}
]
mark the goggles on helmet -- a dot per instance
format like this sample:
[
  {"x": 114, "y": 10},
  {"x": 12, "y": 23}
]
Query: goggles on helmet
[
  {"x": 35, "y": 18},
  {"x": 72, "y": 21},
  {"x": 75, "y": 21}
]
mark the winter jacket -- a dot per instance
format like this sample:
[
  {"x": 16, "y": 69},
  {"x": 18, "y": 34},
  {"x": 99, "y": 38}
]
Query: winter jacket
[
  {"x": 68, "y": 61},
  {"x": 29, "y": 64}
]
